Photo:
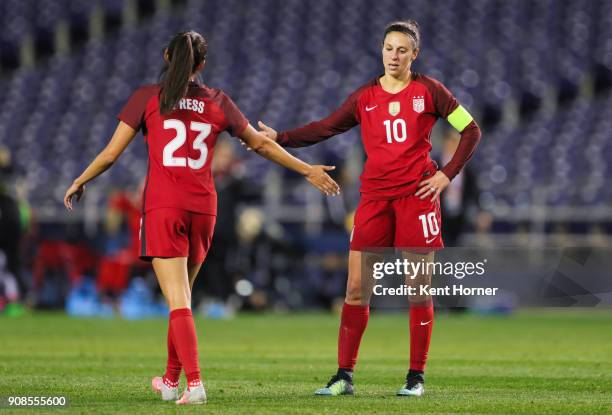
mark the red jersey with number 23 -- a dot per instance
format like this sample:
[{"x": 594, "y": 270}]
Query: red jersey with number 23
[{"x": 180, "y": 145}]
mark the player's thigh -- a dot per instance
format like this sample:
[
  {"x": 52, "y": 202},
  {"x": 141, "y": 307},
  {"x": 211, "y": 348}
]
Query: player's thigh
[
  {"x": 173, "y": 280},
  {"x": 374, "y": 228},
  {"x": 201, "y": 232},
  {"x": 374, "y": 225},
  {"x": 192, "y": 273},
  {"x": 418, "y": 224},
  {"x": 164, "y": 233}
]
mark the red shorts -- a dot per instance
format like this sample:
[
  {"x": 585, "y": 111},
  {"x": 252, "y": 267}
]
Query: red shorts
[
  {"x": 406, "y": 222},
  {"x": 170, "y": 233}
]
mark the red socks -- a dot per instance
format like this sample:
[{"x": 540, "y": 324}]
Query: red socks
[
  {"x": 352, "y": 325},
  {"x": 185, "y": 342},
  {"x": 421, "y": 324},
  {"x": 173, "y": 367}
]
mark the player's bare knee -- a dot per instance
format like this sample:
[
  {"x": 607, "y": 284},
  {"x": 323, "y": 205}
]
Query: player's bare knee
[
  {"x": 182, "y": 303},
  {"x": 358, "y": 294},
  {"x": 420, "y": 300},
  {"x": 179, "y": 299},
  {"x": 354, "y": 292}
]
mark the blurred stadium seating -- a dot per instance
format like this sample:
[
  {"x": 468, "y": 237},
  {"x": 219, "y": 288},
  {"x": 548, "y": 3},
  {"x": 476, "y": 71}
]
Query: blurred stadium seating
[{"x": 535, "y": 73}]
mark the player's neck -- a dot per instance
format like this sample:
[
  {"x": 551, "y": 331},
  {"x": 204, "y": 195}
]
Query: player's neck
[{"x": 392, "y": 84}]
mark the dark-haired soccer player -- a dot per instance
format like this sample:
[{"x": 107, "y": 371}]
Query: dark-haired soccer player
[
  {"x": 400, "y": 185},
  {"x": 181, "y": 120}
]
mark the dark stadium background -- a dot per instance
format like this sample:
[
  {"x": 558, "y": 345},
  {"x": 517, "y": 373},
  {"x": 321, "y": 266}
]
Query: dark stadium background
[{"x": 535, "y": 74}]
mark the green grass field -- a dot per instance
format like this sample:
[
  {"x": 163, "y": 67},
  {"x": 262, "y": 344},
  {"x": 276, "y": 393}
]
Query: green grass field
[{"x": 549, "y": 361}]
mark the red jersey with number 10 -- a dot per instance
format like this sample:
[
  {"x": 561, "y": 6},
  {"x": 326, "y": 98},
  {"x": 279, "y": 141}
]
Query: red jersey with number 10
[
  {"x": 180, "y": 145},
  {"x": 395, "y": 130}
]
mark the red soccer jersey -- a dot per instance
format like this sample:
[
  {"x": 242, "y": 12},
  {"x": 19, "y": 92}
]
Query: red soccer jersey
[
  {"x": 180, "y": 145},
  {"x": 395, "y": 130}
]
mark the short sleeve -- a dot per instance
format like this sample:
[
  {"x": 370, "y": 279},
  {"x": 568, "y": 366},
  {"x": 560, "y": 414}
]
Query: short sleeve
[
  {"x": 236, "y": 121},
  {"x": 134, "y": 110}
]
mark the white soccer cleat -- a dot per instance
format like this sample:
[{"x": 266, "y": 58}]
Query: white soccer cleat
[
  {"x": 167, "y": 393},
  {"x": 194, "y": 395},
  {"x": 414, "y": 386}
]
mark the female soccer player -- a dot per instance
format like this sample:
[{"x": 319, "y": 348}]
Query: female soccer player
[
  {"x": 181, "y": 120},
  {"x": 400, "y": 185}
]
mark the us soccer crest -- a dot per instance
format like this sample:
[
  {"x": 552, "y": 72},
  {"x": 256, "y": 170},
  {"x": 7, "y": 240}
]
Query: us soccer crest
[
  {"x": 394, "y": 108},
  {"x": 418, "y": 104}
]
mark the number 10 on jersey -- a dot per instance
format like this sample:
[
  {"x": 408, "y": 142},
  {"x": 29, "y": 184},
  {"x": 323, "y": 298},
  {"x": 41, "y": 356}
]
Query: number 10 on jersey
[
  {"x": 430, "y": 224},
  {"x": 396, "y": 130}
]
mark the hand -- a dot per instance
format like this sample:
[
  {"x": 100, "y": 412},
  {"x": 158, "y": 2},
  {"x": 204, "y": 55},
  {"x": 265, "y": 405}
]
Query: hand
[
  {"x": 269, "y": 132},
  {"x": 73, "y": 190},
  {"x": 317, "y": 177},
  {"x": 433, "y": 186}
]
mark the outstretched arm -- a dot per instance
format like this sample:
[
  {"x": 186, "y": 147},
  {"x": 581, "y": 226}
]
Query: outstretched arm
[
  {"x": 339, "y": 121},
  {"x": 123, "y": 136},
  {"x": 269, "y": 149}
]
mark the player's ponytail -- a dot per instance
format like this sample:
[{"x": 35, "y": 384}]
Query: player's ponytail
[{"x": 184, "y": 54}]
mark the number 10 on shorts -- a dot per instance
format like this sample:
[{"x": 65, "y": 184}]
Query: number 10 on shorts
[{"x": 430, "y": 224}]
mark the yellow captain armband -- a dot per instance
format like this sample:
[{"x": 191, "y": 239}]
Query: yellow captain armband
[{"x": 459, "y": 118}]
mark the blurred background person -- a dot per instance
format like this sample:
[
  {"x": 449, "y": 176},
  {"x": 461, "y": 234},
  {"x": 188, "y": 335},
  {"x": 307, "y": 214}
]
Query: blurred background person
[
  {"x": 12, "y": 227},
  {"x": 10, "y": 219},
  {"x": 231, "y": 182},
  {"x": 461, "y": 195},
  {"x": 120, "y": 259}
]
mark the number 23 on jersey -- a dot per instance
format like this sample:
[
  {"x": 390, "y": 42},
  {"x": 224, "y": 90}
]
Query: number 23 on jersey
[{"x": 203, "y": 129}]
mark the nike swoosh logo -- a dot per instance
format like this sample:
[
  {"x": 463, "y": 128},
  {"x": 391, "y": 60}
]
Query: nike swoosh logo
[
  {"x": 425, "y": 323},
  {"x": 428, "y": 241},
  {"x": 371, "y": 108}
]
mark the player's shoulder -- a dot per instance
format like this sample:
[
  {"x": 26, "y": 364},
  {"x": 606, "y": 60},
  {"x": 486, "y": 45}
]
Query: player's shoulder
[
  {"x": 362, "y": 89},
  {"x": 208, "y": 92},
  {"x": 428, "y": 82},
  {"x": 148, "y": 89},
  {"x": 144, "y": 93},
  {"x": 372, "y": 83}
]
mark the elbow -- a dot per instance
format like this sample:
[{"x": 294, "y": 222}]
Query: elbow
[
  {"x": 108, "y": 158},
  {"x": 472, "y": 132},
  {"x": 477, "y": 130}
]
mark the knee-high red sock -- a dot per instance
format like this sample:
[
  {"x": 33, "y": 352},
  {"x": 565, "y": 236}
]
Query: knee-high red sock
[
  {"x": 352, "y": 325},
  {"x": 421, "y": 324},
  {"x": 173, "y": 366},
  {"x": 186, "y": 343}
]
